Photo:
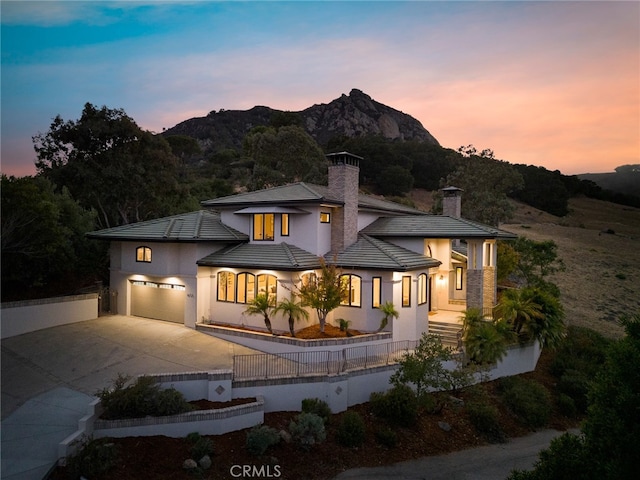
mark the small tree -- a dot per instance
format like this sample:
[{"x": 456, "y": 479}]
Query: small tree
[
  {"x": 324, "y": 293},
  {"x": 263, "y": 305},
  {"x": 388, "y": 310},
  {"x": 294, "y": 310},
  {"x": 518, "y": 309},
  {"x": 423, "y": 368}
]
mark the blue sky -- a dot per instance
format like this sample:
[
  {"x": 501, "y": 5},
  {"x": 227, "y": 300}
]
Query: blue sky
[{"x": 555, "y": 84}]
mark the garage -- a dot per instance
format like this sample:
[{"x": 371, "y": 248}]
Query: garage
[{"x": 161, "y": 301}]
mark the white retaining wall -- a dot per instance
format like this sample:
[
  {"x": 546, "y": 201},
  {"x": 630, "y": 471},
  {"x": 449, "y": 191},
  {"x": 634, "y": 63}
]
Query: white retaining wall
[{"x": 31, "y": 315}]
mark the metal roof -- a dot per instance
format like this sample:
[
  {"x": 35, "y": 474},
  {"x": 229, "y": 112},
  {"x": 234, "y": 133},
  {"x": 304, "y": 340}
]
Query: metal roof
[
  {"x": 198, "y": 226},
  {"x": 279, "y": 256},
  {"x": 372, "y": 253},
  {"x": 432, "y": 226}
]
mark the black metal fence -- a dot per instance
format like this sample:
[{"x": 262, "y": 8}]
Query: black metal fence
[{"x": 326, "y": 362}]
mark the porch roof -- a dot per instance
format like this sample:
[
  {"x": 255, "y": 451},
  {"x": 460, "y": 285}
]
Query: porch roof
[
  {"x": 433, "y": 226},
  {"x": 279, "y": 256},
  {"x": 375, "y": 254},
  {"x": 198, "y": 226}
]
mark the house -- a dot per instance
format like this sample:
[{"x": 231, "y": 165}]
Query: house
[{"x": 205, "y": 266}]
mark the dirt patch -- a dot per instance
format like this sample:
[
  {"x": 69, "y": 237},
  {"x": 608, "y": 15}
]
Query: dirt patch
[{"x": 204, "y": 404}]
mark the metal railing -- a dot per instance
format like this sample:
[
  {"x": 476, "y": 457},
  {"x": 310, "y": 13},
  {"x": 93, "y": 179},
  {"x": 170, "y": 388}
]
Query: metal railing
[{"x": 325, "y": 362}]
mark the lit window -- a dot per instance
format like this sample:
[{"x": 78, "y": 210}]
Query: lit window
[
  {"x": 226, "y": 286},
  {"x": 309, "y": 278},
  {"x": 246, "y": 287},
  {"x": 422, "y": 289},
  {"x": 406, "y": 291},
  {"x": 263, "y": 226},
  {"x": 458, "y": 278},
  {"x": 353, "y": 286},
  {"x": 267, "y": 284},
  {"x": 284, "y": 225},
  {"x": 376, "y": 292},
  {"x": 143, "y": 254},
  {"x": 325, "y": 217}
]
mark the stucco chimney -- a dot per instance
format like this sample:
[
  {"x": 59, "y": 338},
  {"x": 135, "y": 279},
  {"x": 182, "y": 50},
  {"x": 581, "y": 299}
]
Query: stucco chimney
[
  {"x": 344, "y": 170},
  {"x": 452, "y": 202}
]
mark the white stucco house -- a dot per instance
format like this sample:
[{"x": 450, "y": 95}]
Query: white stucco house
[{"x": 205, "y": 266}]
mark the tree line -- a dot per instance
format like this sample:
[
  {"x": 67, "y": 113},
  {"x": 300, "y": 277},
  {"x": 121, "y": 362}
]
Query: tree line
[{"x": 102, "y": 170}]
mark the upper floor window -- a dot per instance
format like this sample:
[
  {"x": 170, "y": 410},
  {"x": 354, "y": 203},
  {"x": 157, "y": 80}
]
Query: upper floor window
[
  {"x": 263, "y": 226},
  {"x": 325, "y": 217},
  {"x": 422, "y": 289},
  {"x": 353, "y": 284},
  {"x": 309, "y": 278},
  {"x": 376, "y": 293},
  {"x": 284, "y": 224},
  {"x": 143, "y": 254},
  {"x": 226, "y": 286},
  {"x": 459, "y": 279},
  {"x": 406, "y": 291}
]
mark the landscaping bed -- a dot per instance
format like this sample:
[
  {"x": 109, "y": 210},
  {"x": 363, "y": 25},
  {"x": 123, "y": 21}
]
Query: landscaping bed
[{"x": 162, "y": 457}]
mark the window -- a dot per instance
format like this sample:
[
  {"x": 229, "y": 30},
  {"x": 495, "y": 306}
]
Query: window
[
  {"x": 353, "y": 284},
  {"x": 458, "y": 278},
  {"x": 143, "y": 254},
  {"x": 325, "y": 217},
  {"x": 422, "y": 289},
  {"x": 226, "y": 286},
  {"x": 406, "y": 291},
  {"x": 246, "y": 287},
  {"x": 488, "y": 255},
  {"x": 284, "y": 225},
  {"x": 263, "y": 226},
  {"x": 267, "y": 284},
  {"x": 309, "y": 278},
  {"x": 376, "y": 292}
]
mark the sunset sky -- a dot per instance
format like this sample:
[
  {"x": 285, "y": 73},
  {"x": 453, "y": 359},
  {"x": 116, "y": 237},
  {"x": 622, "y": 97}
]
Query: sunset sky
[{"x": 555, "y": 84}]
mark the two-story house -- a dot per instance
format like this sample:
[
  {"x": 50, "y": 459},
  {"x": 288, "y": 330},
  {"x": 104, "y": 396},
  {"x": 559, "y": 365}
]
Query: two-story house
[{"x": 206, "y": 266}]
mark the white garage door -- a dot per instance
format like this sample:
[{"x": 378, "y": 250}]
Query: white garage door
[{"x": 162, "y": 301}]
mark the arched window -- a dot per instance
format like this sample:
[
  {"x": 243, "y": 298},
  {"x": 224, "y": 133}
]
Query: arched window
[
  {"x": 422, "y": 289},
  {"x": 246, "y": 287},
  {"x": 268, "y": 284},
  {"x": 226, "y": 286},
  {"x": 309, "y": 278},
  {"x": 354, "y": 284},
  {"x": 143, "y": 254}
]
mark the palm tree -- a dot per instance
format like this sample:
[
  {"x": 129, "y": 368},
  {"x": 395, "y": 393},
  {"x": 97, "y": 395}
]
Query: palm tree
[
  {"x": 262, "y": 304},
  {"x": 549, "y": 327},
  {"x": 518, "y": 308},
  {"x": 388, "y": 310},
  {"x": 293, "y": 309},
  {"x": 485, "y": 340}
]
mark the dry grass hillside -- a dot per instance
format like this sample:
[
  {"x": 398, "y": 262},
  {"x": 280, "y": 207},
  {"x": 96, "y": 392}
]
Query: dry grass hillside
[{"x": 599, "y": 243}]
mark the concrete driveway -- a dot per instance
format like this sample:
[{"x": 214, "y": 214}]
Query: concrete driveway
[{"x": 49, "y": 377}]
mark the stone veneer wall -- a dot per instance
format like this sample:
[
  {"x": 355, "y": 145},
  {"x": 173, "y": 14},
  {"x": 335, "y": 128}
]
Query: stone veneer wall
[
  {"x": 475, "y": 296},
  {"x": 344, "y": 185},
  {"x": 489, "y": 290}
]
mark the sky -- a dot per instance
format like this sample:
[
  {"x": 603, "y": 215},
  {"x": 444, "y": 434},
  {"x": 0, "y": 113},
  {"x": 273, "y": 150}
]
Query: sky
[{"x": 552, "y": 83}]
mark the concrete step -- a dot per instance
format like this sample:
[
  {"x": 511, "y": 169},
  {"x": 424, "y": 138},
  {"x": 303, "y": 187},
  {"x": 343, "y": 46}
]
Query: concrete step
[{"x": 448, "y": 332}]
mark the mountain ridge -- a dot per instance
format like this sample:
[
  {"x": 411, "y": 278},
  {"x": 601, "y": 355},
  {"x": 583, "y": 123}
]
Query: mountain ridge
[{"x": 352, "y": 115}]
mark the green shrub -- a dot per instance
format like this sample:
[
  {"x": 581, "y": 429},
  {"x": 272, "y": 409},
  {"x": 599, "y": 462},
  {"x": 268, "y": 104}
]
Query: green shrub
[
  {"x": 317, "y": 406},
  {"x": 144, "y": 397},
  {"x": 260, "y": 438},
  {"x": 93, "y": 458},
  {"x": 582, "y": 350},
  {"x": 576, "y": 385},
  {"x": 351, "y": 431},
  {"x": 398, "y": 405},
  {"x": 567, "y": 406},
  {"x": 529, "y": 400},
  {"x": 386, "y": 437},
  {"x": 484, "y": 415},
  {"x": 307, "y": 429},
  {"x": 203, "y": 446}
]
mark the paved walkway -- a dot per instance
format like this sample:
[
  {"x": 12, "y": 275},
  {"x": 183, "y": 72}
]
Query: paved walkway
[
  {"x": 491, "y": 462},
  {"x": 49, "y": 377}
]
